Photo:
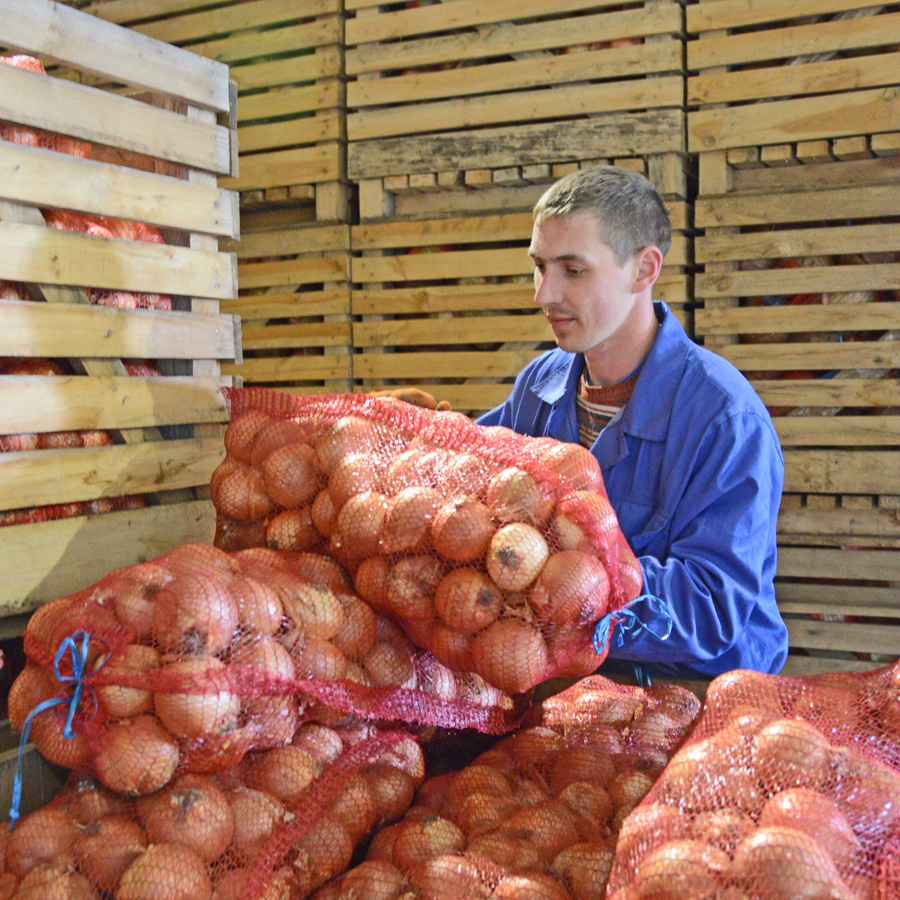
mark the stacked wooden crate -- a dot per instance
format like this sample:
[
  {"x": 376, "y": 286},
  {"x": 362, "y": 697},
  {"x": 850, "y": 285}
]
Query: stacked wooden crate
[
  {"x": 794, "y": 118},
  {"x": 134, "y": 288},
  {"x": 286, "y": 59},
  {"x": 460, "y": 114}
]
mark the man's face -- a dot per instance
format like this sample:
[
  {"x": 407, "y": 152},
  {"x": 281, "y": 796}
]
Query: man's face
[{"x": 585, "y": 294}]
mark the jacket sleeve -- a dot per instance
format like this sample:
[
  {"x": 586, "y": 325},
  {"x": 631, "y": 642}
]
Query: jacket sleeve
[{"x": 715, "y": 576}]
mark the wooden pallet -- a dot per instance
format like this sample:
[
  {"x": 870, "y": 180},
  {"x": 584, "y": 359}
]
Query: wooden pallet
[
  {"x": 286, "y": 59},
  {"x": 818, "y": 337},
  {"x": 294, "y": 306},
  {"x": 449, "y": 302},
  {"x": 166, "y": 431},
  {"x": 463, "y": 85},
  {"x": 824, "y": 69}
]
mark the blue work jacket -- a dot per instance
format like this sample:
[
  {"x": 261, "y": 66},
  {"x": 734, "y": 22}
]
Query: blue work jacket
[{"x": 694, "y": 471}]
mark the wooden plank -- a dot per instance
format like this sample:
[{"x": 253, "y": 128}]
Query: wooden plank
[
  {"x": 804, "y": 280},
  {"x": 818, "y": 356},
  {"x": 843, "y": 524},
  {"x": 449, "y": 230},
  {"x": 246, "y": 46},
  {"x": 308, "y": 334},
  {"x": 285, "y": 272},
  {"x": 85, "y": 473},
  {"x": 50, "y": 559},
  {"x": 843, "y": 636},
  {"x": 442, "y": 298},
  {"x": 617, "y": 63},
  {"x": 800, "y": 119},
  {"x": 56, "y": 181},
  {"x": 324, "y": 63},
  {"x": 52, "y": 31},
  {"x": 57, "y": 330},
  {"x": 290, "y": 101},
  {"x": 129, "y": 11},
  {"x": 838, "y": 431},
  {"x": 292, "y": 241},
  {"x": 472, "y": 330},
  {"x": 740, "y": 13},
  {"x": 622, "y": 134},
  {"x": 260, "y": 370},
  {"x": 31, "y": 403},
  {"x": 277, "y": 135},
  {"x": 471, "y": 363},
  {"x": 866, "y": 565},
  {"x": 305, "y": 165},
  {"x": 835, "y": 317},
  {"x": 846, "y": 599},
  {"x": 516, "y": 107},
  {"x": 32, "y": 253},
  {"x": 432, "y": 266},
  {"x": 286, "y": 305},
  {"x": 797, "y": 665},
  {"x": 829, "y": 392},
  {"x": 56, "y": 104},
  {"x": 842, "y": 472}
]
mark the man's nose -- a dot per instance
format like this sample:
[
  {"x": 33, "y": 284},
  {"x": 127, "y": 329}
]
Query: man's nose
[{"x": 543, "y": 289}]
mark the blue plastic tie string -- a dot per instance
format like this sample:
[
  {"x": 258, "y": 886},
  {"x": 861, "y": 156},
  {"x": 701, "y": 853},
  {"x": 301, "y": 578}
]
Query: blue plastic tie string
[
  {"x": 629, "y": 622},
  {"x": 79, "y": 657}
]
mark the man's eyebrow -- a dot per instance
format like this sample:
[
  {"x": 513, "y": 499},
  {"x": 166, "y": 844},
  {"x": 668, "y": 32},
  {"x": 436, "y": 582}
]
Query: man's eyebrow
[{"x": 565, "y": 257}]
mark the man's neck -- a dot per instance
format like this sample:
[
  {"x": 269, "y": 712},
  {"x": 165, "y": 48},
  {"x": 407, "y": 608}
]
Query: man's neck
[{"x": 618, "y": 357}]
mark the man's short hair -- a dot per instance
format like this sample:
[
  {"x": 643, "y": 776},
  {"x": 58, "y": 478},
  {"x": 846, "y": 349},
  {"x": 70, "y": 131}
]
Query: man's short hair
[{"x": 629, "y": 211}]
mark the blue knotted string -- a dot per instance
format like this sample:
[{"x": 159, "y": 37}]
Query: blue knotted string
[
  {"x": 630, "y": 623},
  {"x": 79, "y": 655}
]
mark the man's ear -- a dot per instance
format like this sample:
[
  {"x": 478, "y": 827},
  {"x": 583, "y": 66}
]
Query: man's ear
[{"x": 649, "y": 264}]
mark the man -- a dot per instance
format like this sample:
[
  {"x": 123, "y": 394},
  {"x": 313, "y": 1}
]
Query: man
[{"x": 690, "y": 459}]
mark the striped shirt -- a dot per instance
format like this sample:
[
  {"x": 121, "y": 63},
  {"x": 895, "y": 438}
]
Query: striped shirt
[{"x": 596, "y": 404}]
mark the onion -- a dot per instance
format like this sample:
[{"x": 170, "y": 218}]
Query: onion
[
  {"x": 355, "y": 807},
  {"x": 646, "y": 827},
  {"x": 547, "y": 827},
  {"x": 47, "y": 882},
  {"x": 241, "y": 494},
  {"x": 392, "y": 788},
  {"x": 574, "y": 465},
  {"x": 231, "y": 885},
  {"x": 481, "y": 812},
  {"x": 122, "y": 702},
  {"x": 360, "y": 523},
  {"x": 422, "y": 839},
  {"x": 867, "y": 790},
  {"x": 274, "y": 720},
  {"x": 629, "y": 787},
  {"x": 138, "y": 756},
  {"x": 134, "y": 596},
  {"x": 390, "y": 665},
  {"x": 357, "y": 634},
  {"x": 510, "y": 655},
  {"x": 259, "y": 606},
  {"x": 319, "y": 659},
  {"x": 191, "y": 811},
  {"x": 374, "y": 880},
  {"x": 472, "y": 688},
  {"x": 573, "y": 515},
  {"x": 534, "y": 886},
  {"x": 467, "y": 600},
  {"x": 292, "y": 475},
  {"x": 573, "y": 587},
  {"x": 412, "y": 585},
  {"x": 516, "y": 555},
  {"x": 45, "y": 836},
  {"x": 226, "y": 467},
  {"x": 408, "y": 519},
  {"x": 195, "y": 614},
  {"x": 476, "y": 778},
  {"x": 462, "y": 529},
  {"x": 316, "y": 610},
  {"x": 419, "y": 466},
  {"x": 784, "y": 862},
  {"x": 355, "y": 474},
  {"x": 254, "y": 814},
  {"x": 274, "y": 434},
  {"x": 724, "y": 828},
  {"x": 452, "y": 648},
  {"x": 791, "y": 753},
  {"x": 346, "y": 436},
  {"x": 513, "y": 854},
  {"x": 322, "y": 852},
  {"x": 584, "y": 868},
  {"x": 107, "y": 847},
  {"x": 371, "y": 580},
  {"x": 86, "y": 800},
  {"x": 283, "y": 772},
  {"x": 588, "y": 800},
  {"x": 514, "y": 495},
  {"x": 449, "y": 877},
  {"x": 323, "y": 514},
  {"x": 744, "y": 687},
  {"x": 681, "y": 868},
  {"x": 406, "y": 755},
  {"x": 165, "y": 872},
  {"x": 241, "y": 433},
  {"x": 292, "y": 530},
  {"x": 203, "y": 705},
  {"x": 582, "y": 763}
]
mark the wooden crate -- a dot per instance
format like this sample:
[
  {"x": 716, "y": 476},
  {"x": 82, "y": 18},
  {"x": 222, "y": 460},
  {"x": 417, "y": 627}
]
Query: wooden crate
[
  {"x": 294, "y": 306},
  {"x": 449, "y": 303},
  {"x": 801, "y": 290},
  {"x": 448, "y": 87},
  {"x": 166, "y": 431},
  {"x": 824, "y": 69},
  {"x": 286, "y": 58}
]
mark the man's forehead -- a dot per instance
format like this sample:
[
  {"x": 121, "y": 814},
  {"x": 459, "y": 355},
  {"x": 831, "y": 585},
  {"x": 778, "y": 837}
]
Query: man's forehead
[{"x": 572, "y": 236}]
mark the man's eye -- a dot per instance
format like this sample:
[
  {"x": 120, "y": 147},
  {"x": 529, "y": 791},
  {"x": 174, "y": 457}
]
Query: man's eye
[{"x": 574, "y": 272}]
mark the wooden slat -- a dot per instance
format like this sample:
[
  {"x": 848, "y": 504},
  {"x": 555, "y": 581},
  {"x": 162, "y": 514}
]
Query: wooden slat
[
  {"x": 432, "y": 266},
  {"x": 800, "y": 597},
  {"x": 843, "y": 636},
  {"x": 305, "y": 165},
  {"x": 471, "y": 363},
  {"x": 305, "y": 270},
  {"x": 448, "y": 230},
  {"x": 787, "y": 319},
  {"x": 473, "y": 330},
  {"x": 309, "y": 334},
  {"x": 56, "y": 181},
  {"x": 324, "y": 63},
  {"x": 839, "y": 431},
  {"x": 50, "y": 559},
  {"x": 282, "y": 306},
  {"x": 32, "y": 403},
  {"x": 622, "y": 134},
  {"x": 129, "y": 11},
  {"x": 55, "y": 104},
  {"x": 292, "y": 368},
  {"x": 292, "y": 241},
  {"x": 516, "y": 107},
  {"x": 842, "y": 472},
  {"x": 57, "y": 330},
  {"x": 843, "y": 524},
  {"x": 798, "y": 665},
  {"x": 52, "y": 31},
  {"x": 866, "y": 565},
  {"x": 33, "y": 253},
  {"x": 290, "y": 101},
  {"x": 818, "y": 356},
  {"x": 721, "y": 14},
  {"x": 277, "y": 135},
  {"x": 829, "y": 391},
  {"x": 804, "y": 280},
  {"x": 246, "y": 46},
  {"x": 85, "y": 473}
]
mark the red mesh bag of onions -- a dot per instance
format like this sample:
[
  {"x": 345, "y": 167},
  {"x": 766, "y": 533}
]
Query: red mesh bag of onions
[
  {"x": 788, "y": 787},
  {"x": 536, "y": 816},
  {"x": 186, "y": 662},
  {"x": 277, "y": 825},
  {"x": 497, "y": 552}
]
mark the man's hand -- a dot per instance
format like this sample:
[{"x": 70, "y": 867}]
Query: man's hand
[{"x": 415, "y": 396}]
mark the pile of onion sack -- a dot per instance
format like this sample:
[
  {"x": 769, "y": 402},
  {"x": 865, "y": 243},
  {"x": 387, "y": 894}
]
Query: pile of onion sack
[
  {"x": 535, "y": 817},
  {"x": 276, "y": 826},
  {"x": 184, "y": 663},
  {"x": 498, "y": 553},
  {"x": 787, "y": 788}
]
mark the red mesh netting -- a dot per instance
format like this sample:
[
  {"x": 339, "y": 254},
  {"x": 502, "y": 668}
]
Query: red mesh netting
[
  {"x": 187, "y": 662},
  {"x": 278, "y": 825},
  {"x": 35, "y": 137},
  {"x": 497, "y": 552},
  {"x": 788, "y": 787},
  {"x": 536, "y": 816}
]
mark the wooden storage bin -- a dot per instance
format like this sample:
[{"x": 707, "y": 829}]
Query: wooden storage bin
[
  {"x": 449, "y": 303},
  {"x": 466, "y": 85},
  {"x": 824, "y": 69},
  {"x": 800, "y": 291},
  {"x": 286, "y": 58},
  {"x": 295, "y": 308},
  {"x": 166, "y": 431}
]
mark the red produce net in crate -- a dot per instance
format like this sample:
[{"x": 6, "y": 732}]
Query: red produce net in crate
[
  {"x": 787, "y": 788},
  {"x": 497, "y": 552}
]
